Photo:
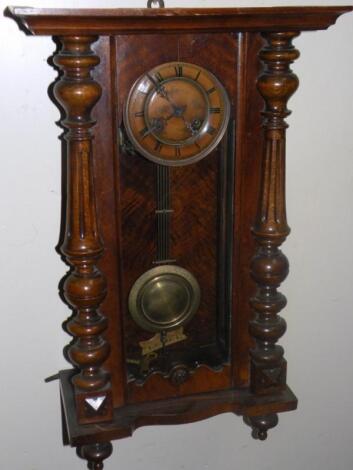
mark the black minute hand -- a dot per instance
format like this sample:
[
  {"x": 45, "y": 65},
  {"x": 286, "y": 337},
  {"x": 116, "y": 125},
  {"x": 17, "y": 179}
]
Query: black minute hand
[
  {"x": 161, "y": 91},
  {"x": 159, "y": 88}
]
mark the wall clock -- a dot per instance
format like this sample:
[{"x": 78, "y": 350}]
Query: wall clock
[{"x": 175, "y": 214}]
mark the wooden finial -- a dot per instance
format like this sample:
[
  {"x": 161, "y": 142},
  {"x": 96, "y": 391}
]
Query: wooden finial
[{"x": 95, "y": 454}]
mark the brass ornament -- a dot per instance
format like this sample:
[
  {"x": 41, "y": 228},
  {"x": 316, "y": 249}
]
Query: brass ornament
[
  {"x": 155, "y": 343},
  {"x": 164, "y": 298},
  {"x": 179, "y": 375}
]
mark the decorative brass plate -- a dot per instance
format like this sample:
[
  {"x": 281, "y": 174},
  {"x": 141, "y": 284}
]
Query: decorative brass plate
[{"x": 164, "y": 298}]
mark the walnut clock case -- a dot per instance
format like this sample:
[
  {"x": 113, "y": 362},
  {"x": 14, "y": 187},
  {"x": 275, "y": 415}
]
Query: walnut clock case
[{"x": 175, "y": 213}]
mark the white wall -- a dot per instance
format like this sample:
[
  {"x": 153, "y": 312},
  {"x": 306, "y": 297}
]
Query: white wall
[{"x": 319, "y": 288}]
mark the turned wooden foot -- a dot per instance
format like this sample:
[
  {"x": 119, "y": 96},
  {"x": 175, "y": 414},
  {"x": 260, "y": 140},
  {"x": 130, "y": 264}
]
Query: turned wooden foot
[
  {"x": 261, "y": 424},
  {"x": 95, "y": 454}
]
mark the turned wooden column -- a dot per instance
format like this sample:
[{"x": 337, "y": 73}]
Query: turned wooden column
[
  {"x": 85, "y": 286},
  {"x": 269, "y": 266}
]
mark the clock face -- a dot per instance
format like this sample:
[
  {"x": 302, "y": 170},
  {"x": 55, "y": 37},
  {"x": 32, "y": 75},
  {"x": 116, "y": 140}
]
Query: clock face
[{"x": 176, "y": 113}]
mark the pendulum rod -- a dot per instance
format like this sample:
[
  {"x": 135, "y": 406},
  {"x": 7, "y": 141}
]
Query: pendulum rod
[{"x": 163, "y": 215}]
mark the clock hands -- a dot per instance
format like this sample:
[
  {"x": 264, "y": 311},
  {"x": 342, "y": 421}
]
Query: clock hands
[
  {"x": 161, "y": 90},
  {"x": 177, "y": 111},
  {"x": 157, "y": 125}
]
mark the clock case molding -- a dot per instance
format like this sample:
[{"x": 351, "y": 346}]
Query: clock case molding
[{"x": 100, "y": 54}]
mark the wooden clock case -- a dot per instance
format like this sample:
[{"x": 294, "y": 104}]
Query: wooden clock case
[{"x": 228, "y": 224}]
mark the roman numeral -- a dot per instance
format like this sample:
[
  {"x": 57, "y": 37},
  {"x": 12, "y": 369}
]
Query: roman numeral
[
  {"x": 215, "y": 110},
  {"x": 211, "y": 130},
  {"x": 140, "y": 114},
  {"x": 197, "y": 75},
  {"x": 158, "y": 146},
  {"x": 178, "y": 70},
  {"x": 177, "y": 152},
  {"x": 197, "y": 145},
  {"x": 151, "y": 79},
  {"x": 159, "y": 77},
  {"x": 211, "y": 90}
]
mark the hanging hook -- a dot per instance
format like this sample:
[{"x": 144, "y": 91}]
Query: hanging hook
[{"x": 160, "y": 3}]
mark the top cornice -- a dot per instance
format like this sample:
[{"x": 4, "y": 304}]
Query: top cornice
[{"x": 55, "y": 21}]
